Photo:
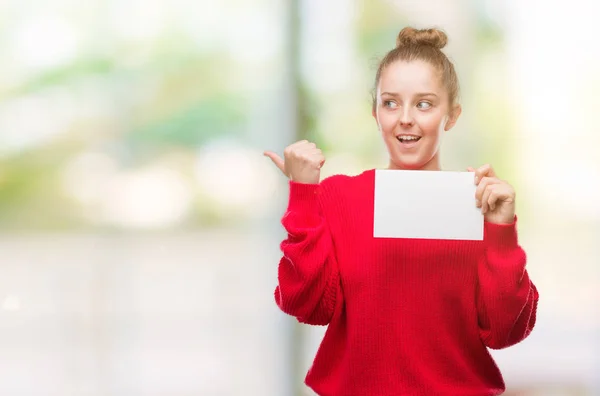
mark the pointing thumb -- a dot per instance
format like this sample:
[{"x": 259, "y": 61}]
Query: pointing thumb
[{"x": 277, "y": 160}]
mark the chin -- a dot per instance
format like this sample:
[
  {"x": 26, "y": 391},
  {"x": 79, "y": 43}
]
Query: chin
[{"x": 408, "y": 164}]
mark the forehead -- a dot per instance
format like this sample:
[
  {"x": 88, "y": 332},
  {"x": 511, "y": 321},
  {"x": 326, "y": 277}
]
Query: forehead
[{"x": 401, "y": 76}]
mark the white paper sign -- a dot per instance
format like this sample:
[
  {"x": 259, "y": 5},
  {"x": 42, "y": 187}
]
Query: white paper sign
[{"x": 426, "y": 205}]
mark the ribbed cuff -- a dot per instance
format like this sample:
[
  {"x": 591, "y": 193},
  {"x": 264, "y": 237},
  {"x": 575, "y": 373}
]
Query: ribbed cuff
[
  {"x": 304, "y": 198},
  {"x": 501, "y": 237}
]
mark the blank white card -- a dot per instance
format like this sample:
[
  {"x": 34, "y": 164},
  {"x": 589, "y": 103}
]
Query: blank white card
[{"x": 426, "y": 205}]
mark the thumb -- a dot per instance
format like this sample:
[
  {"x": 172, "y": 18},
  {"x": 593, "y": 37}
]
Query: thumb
[{"x": 277, "y": 160}]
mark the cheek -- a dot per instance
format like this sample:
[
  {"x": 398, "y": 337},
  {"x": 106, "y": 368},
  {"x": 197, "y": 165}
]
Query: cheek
[
  {"x": 387, "y": 122},
  {"x": 431, "y": 124}
]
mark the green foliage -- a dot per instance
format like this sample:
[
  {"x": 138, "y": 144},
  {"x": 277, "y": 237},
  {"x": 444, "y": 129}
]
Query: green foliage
[
  {"x": 378, "y": 27},
  {"x": 193, "y": 125},
  {"x": 81, "y": 68},
  {"x": 30, "y": 192}
]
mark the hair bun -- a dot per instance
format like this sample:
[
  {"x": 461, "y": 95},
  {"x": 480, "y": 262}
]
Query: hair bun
[{"x": 430, "y": 37}]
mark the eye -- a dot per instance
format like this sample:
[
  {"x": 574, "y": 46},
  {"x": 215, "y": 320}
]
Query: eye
[
  {"x": 390, "y": 104},
  {"x": 422, "y": 105}
]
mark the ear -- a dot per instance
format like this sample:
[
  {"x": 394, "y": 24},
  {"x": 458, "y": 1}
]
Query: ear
[
  {"x": 453, "y": 117},
  {"x": 374, "y": 114}
]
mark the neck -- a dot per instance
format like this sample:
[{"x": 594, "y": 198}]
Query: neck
[{"x": 431, "y": 165}]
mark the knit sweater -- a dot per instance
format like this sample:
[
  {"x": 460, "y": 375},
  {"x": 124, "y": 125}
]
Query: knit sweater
[{"x": 410, "y": 317}]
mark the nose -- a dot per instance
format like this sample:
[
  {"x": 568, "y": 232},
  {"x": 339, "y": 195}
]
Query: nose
[{"x": 405, "y": 117}]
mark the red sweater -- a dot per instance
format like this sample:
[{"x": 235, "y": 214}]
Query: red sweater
[{"x": 405, "y": 316}]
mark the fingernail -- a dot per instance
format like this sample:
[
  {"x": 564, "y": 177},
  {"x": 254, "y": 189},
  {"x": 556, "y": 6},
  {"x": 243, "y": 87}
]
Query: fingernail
[
  {"x": 476, "y": 180},
  {"x": 478, "y": 203}
]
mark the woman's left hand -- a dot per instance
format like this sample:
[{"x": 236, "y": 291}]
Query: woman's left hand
[{"x": 495, "y": 197}]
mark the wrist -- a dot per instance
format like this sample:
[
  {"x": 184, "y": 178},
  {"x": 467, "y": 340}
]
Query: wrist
[
  {"x": 505, "y": 221},
  {"x": 501, "y": 217},
  {"x": 303, "y": 196},
  {"x": 501, "y": 236},
  {"x": 305, "y": 180},
  {"x": 306, "y": 176}
]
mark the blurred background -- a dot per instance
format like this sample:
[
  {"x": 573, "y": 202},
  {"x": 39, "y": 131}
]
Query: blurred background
[{"x": 139, "y": 222}]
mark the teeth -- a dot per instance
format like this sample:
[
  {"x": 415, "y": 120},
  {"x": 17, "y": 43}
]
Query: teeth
[{"x": 406, "y": 137}]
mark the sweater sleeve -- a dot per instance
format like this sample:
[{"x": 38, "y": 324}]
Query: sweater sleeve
[
  {"x": 507, "y": 299},
  {"x": 308, "y": 279}
]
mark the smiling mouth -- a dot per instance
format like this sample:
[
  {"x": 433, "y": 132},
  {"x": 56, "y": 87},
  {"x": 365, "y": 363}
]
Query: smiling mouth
[{"x": 408, "y": 138}]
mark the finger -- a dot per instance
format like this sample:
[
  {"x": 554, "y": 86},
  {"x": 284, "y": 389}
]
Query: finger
[
  {"x": 482, "y": 186},
  {"x": 300, "y": 149},
  {"x": 294, "y": 147},
  {"x": 321, "y": 159},
  {"x": 314, "y": 152},
  {"x": 306, "y": 147},
  {"x": 277, "y": 160},
  {"x": 502, "y": 192},
  {"x": 484, "y": 171},
  {"x": 313, "y": 155},
  {"x": 493, "y": 199},
  {"x": 486, "y": 201}
]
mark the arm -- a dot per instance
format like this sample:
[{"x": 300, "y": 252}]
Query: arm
[
  {"x": 309, "y": 284},
  {"x": 507, "y": 299}
]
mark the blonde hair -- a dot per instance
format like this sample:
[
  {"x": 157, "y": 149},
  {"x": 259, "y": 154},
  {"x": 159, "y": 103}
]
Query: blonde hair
[{"x": 425, "y": 45}]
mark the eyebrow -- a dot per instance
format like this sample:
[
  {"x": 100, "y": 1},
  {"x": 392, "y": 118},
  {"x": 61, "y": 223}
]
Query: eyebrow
[{"x": 418, "y": 94}]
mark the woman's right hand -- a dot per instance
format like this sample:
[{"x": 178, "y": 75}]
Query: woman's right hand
[{"x": 302, "y": 162}]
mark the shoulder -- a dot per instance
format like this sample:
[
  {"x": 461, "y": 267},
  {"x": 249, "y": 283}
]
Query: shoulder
[
  {"x": 341, "y": 182},
  {"x": 339, "y": 189},
  {"x": 341, "y": 195}
]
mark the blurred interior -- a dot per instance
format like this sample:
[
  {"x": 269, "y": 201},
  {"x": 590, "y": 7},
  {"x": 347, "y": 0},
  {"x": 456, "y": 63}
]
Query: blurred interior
[{"x": 139, "y": 221}]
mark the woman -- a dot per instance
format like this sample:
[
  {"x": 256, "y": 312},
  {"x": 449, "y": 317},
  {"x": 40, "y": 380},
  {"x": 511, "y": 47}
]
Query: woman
[{"x": 404, "y": 316}]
